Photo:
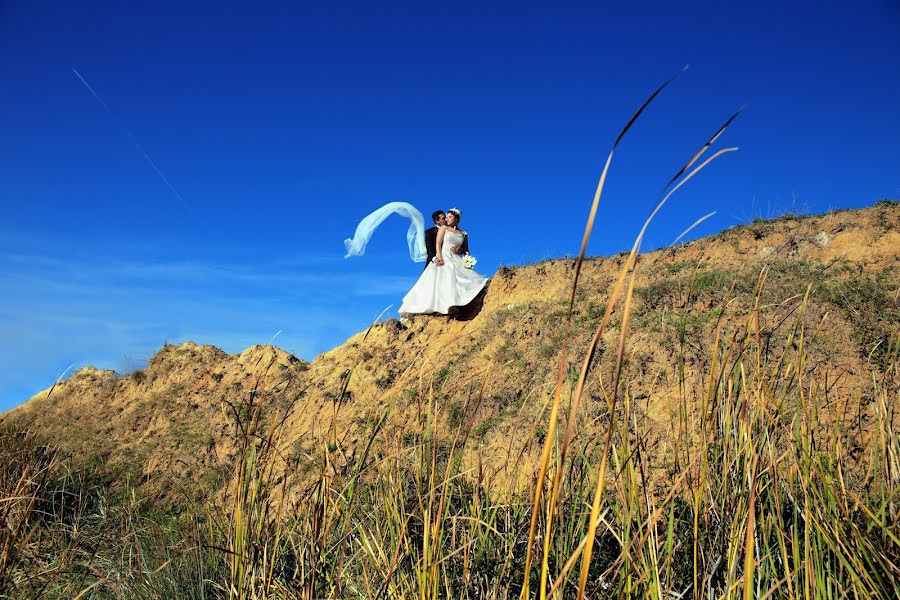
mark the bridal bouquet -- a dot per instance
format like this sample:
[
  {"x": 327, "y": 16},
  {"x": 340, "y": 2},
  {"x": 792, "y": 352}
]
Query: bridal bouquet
[{"x": 469, "y": 261}]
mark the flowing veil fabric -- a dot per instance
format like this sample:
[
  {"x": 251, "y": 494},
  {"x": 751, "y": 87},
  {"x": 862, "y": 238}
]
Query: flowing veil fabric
[{"x": 415, "y": 236}]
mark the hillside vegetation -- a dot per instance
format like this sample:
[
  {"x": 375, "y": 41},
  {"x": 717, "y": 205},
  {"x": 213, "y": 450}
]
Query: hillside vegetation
[{"x": 747, "y": 420}]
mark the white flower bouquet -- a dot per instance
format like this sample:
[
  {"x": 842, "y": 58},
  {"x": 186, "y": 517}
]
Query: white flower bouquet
[{"x": 469, "y": 261}]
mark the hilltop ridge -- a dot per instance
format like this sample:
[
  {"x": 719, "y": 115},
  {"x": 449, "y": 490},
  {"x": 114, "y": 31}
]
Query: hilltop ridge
[{"x": 175, "y": 420}]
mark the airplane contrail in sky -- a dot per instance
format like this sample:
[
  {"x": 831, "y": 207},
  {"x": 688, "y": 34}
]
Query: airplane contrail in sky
[{"x": 133, "y": 138}]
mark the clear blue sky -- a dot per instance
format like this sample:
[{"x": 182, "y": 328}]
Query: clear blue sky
[{"x": 279, "y": 128}]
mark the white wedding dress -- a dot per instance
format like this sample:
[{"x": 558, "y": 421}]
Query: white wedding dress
[{"x": 440, "y": 288}]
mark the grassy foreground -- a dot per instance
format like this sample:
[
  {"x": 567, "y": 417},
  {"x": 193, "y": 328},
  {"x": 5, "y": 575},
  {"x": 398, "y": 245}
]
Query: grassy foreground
[
  {"x": 778, "y": 484},
  {"x": 748, "y": 512}
]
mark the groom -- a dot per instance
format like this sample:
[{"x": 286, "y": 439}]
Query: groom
[{"x": 440, "y": 219}]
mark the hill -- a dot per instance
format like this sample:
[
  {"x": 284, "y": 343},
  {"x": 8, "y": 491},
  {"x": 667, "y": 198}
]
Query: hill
[{"x": 830, "y": 284}]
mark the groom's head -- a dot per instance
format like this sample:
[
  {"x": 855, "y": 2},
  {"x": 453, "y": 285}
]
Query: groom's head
[{"x": 439, "y": 217}]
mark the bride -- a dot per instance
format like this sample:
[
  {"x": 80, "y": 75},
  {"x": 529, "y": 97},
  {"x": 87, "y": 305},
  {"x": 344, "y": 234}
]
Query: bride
[{"x": 446, "y": 281}]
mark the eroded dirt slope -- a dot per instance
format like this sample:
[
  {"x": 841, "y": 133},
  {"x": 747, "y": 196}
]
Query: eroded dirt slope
[{"x": 170, "y": 428}]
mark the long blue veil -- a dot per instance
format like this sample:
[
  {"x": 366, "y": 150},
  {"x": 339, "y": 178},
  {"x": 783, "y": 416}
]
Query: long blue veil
[{"x": 415, "y": 236}]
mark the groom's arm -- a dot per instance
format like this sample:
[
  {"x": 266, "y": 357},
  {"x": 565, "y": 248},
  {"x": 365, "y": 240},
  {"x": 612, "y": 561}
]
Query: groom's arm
[
  {"x": 439, "y": 259},
  {"x": 430, "y": 241}
]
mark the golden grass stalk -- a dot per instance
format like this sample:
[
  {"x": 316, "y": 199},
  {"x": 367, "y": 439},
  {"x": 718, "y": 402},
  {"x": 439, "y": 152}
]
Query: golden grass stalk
[
  {"x": 554, "y": 411},
  {"x": 628, "y": 270}
]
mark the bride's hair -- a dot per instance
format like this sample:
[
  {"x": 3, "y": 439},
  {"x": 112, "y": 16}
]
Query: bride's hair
[{"x": 456, "y": 214}]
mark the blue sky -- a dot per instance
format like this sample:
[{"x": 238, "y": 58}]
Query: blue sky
[{"x": 280, "y": 125}]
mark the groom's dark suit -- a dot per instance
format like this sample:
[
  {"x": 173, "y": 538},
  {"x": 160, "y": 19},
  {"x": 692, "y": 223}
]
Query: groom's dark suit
[
  {"x": 431, "y": 244},
  {"x": 464, "y": 247}
]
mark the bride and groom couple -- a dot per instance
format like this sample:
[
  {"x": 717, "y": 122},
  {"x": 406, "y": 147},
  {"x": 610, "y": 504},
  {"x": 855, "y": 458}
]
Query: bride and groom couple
[{"x": 448, "y": 281}]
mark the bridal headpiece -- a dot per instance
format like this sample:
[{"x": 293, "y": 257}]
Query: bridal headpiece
[{"x": 455, "y": 210}]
